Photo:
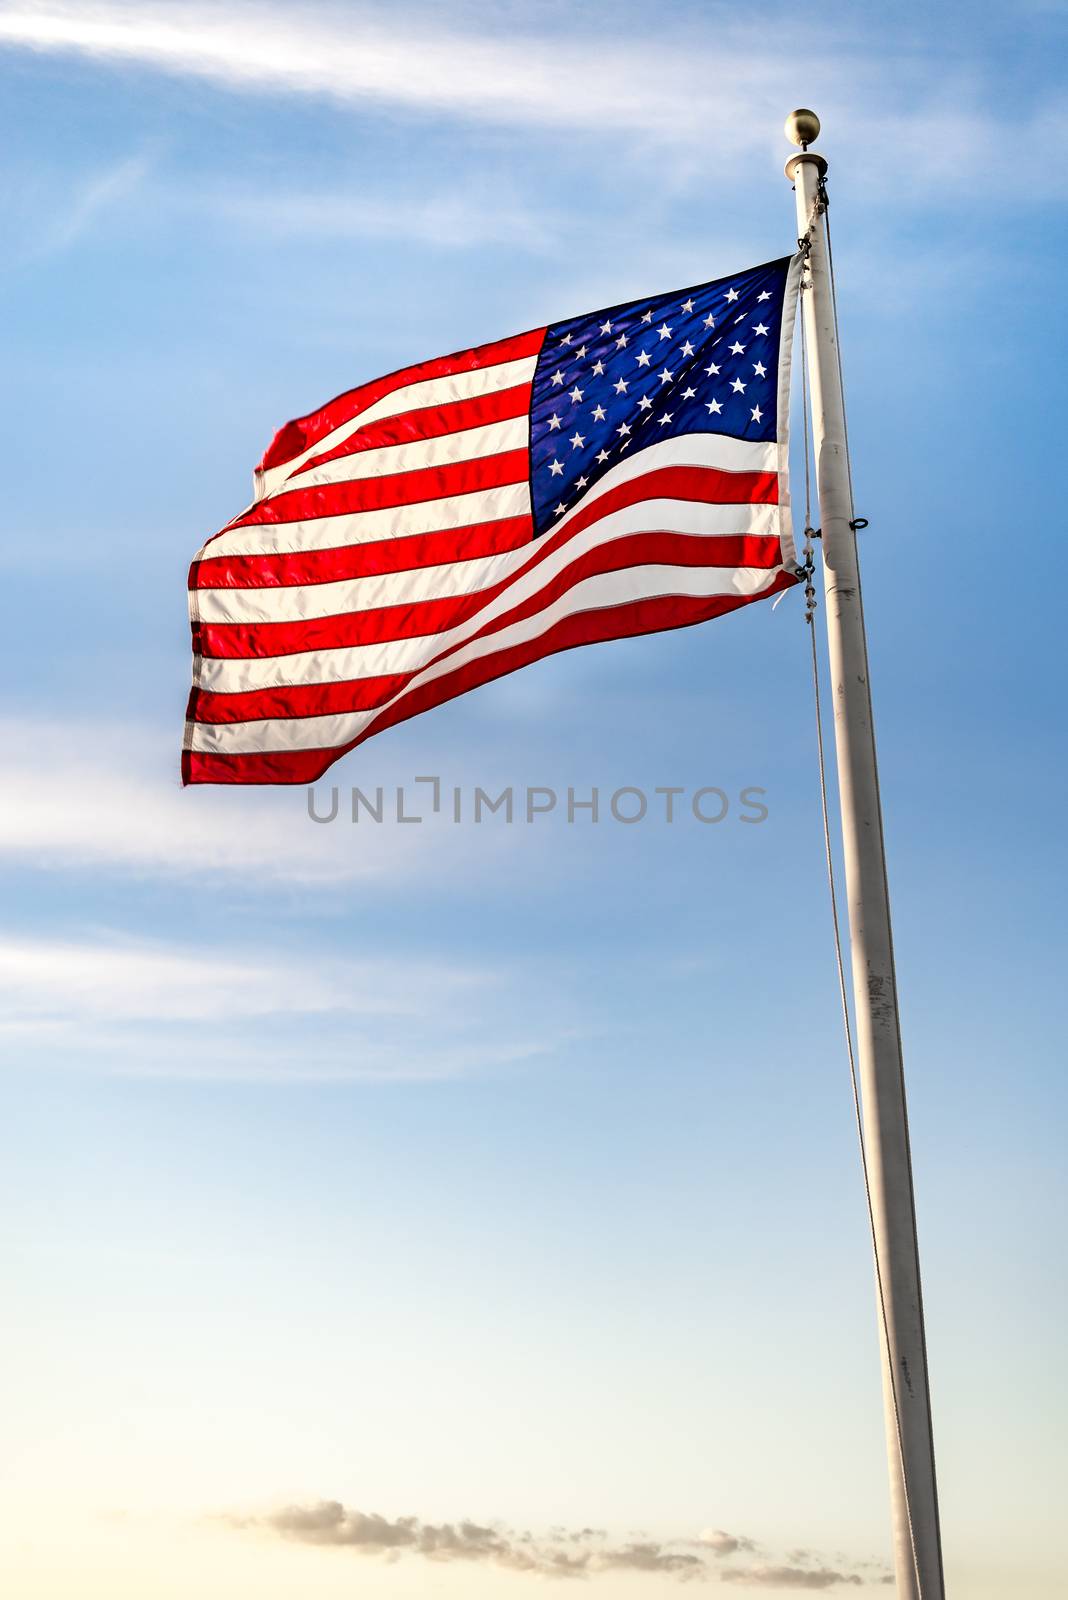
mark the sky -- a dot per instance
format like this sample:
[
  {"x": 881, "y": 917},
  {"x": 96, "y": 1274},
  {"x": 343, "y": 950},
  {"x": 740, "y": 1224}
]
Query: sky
[{"x": 439, "y": 1209}]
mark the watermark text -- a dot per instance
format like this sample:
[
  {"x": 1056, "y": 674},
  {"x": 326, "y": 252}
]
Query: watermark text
[{"x": 427, "y": 796}]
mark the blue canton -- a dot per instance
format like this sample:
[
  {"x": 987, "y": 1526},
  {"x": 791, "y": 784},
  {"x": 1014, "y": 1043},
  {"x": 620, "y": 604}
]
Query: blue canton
[{"x": 703, "y": 360}]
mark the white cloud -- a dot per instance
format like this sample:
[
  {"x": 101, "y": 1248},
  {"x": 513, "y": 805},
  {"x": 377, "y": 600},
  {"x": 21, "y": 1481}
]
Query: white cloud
[
  {"x": 712, "y": 96},
  {"x": 453, "y": 218},
  {"x": 107, "y": 796},
  {"x": 132, "y": 981},
  {"x": 417, "y": 64},
  {"x": 99, "y": 1001},
  {"x": 106, "y": 800}
]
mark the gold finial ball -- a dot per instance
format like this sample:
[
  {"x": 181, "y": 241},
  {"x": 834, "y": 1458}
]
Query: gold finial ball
[{"x": 802, "y": 127}]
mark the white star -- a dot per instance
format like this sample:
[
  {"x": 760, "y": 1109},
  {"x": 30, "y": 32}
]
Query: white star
[
  {"x": 598, "y": 369},
  {"x": 602, "y": 455},
  {"x": 580, "y": 483},
  {"x": 621, "y": 386},
  {"x": 554, "y": 422},
  {"x": 645, "y": 404},
  {"x": 647, "y": 316},
  {"x": 621, "y": 342},
  {"x": 561, "y": 508},
  {"x": 606, "y": 327},
  {"x": 665, "y": 418},
  {"x": 576, "y": 441},
  {"x": 732, "y": 294},
  {"x": 764, "y": 296},
  {"x": 738, "y": 386},
  {"x": 712, "y": 370},
  {"x": 687, "y": 348},
  {"x": 555, "y": 468},
  {"x": 642, "y": 359},
  {"x": 760, "y": 369},
  {"x": 664, "y": 331},
  {"x": 581, "y": 352},
  {"x": 597, "y": 413},
  {"x": 741, "y": 318},
  {"x": 566, "y": 339},
  {"x": 710, "y": 321},
  {"x": 622, "y": 429},
  {"x": 687, "y": 305},
  {"x": 712, "y": 406},
  {"x": 688, "y": 394},
  {"x": 575, "y": 394},
  {"x": 737, "y": 349},
  {"x": 760, "y": 327},
  {"x": 558, "y": 377},
  {"x": 665, "y": 376},
  {"x": 757, "y": 414}
]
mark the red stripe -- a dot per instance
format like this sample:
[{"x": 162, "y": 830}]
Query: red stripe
[
  {"x": 393, "y": 489},
  {"x": 415, "y": 619},
  {"x": 300, "y": 700},
  {"x": 704, "y": 484},
  {"x": 588, "y": 627},
  {"x": 372, "y": 559},
  {"x": 655, "y": 615},
  {"x": 298, "y": 435},
  {"x": 602, "y": 558},
  {"x": 364, "y": 694},
  {"x": 708, "y": 485},
  {"x": 431, "y": 422}
]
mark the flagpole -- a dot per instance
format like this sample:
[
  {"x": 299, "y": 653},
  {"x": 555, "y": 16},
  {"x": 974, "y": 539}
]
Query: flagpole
[{"x": 888, "y": 1166}]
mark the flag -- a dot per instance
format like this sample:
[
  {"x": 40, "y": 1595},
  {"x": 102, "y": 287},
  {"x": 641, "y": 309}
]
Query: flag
[{"x": 610, "y": 475}]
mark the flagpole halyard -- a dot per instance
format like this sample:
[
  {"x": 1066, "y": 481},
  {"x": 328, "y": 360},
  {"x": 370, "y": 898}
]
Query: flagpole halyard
[{"x": 887, "y": 1158}]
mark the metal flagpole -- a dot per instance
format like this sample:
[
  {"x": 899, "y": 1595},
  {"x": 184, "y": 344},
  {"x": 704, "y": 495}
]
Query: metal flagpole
[{"x": 888, "y": 1166}]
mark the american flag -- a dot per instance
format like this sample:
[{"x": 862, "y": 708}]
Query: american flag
[{"x": 614, "y": 474}]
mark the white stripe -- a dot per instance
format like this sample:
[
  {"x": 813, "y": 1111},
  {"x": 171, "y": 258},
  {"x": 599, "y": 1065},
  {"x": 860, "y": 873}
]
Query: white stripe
[
  {"x": 596, "y": 593},
  {"x": 457, "y": 511},
  {"x": 714, "y": 450},
  {"x": 349, "y": 595},
  {"x": 341, "y": 665},
  {"x": 367, "y": 527},
  {"x": 468, "y": 444},
  {"x": 412, "y": 397}
]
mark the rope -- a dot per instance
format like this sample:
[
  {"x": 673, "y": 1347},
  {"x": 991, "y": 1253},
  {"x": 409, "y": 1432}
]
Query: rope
[{"x": 804, "y": 244}]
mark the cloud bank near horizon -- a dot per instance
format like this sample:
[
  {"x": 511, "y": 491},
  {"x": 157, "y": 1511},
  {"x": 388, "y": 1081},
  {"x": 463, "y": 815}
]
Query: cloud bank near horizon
[{"x": 580, "y": 1553}]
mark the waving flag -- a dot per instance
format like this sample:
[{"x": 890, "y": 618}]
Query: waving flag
[{"x": 611, "y": 475}]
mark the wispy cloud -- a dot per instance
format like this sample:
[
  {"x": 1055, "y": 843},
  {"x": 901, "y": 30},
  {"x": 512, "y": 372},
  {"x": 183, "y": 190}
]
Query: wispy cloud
[
  {"x": 560, "y": 1553},
  {"x": 46, "y": 230},
  {"x": 454, "y": 218},
  {"x": 107, "y": 796},
  {"x": 944, "y": 134},
  {"x": 125, "y": 980},
  {"x": 100, "y": 1001},
  {"x": 107, "y": 188},
  {"x": 417, "y": 63}
]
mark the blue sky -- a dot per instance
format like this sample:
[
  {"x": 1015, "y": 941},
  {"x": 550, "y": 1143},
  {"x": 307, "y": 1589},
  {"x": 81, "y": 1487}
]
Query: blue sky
[{"x": 507, "y": 1173}]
